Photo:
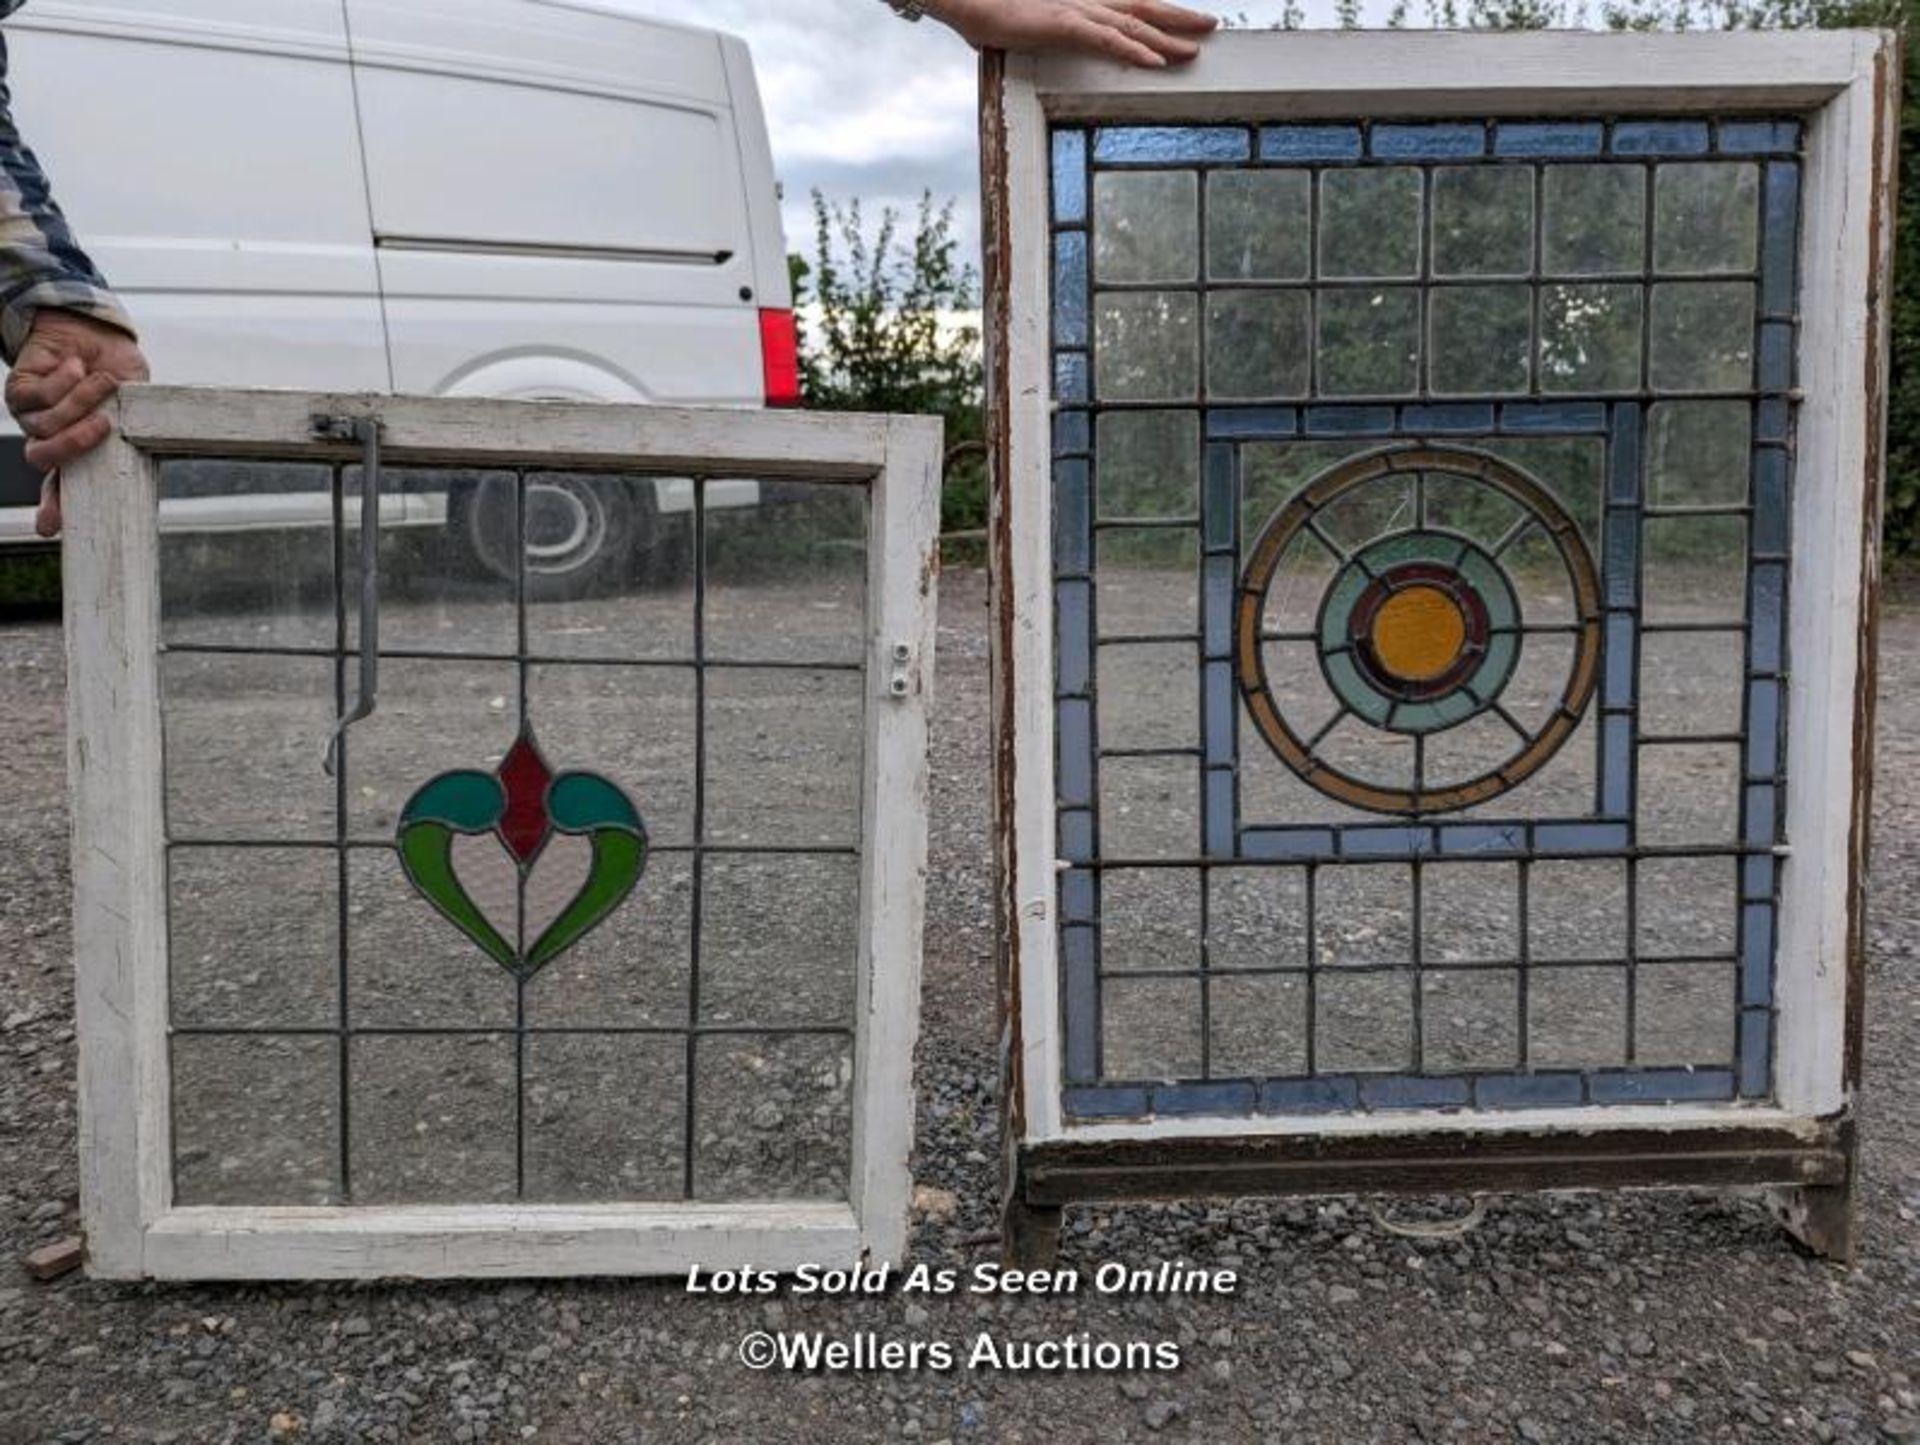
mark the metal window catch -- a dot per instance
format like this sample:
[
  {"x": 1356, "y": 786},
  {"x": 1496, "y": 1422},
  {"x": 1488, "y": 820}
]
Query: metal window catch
[
  {"x": 366, "y": 431},
  {"x": 901, "y": 683}
]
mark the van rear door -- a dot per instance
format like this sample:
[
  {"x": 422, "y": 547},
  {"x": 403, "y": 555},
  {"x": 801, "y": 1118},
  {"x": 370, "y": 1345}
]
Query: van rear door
[{"x": 557, "y": 202}]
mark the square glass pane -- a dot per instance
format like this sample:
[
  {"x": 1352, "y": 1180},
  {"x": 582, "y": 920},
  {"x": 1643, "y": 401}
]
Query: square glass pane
[
  {"x": 1150, "y": 918},
  {"x": 1691, "y": 683},
  {"x": 1363, "y": 1021},
  {"x": 253, "y": 937},
  {"x": 1685, "y": 907},
  {"x": 787, "y": 576},
  {"x": 1148, "y": 581},
  {"x": 1482, "y": 221},
  {"x": 1146, "y": 346},
  {"x": 246, "y": 553},
  {"x": 1363, "y": 914},
  {"x": 1594, "y": 220},
  {"x": 1469, "y": 912},
  {"x": 1149, "y": 807},
  {"x": 1689, "y": 793},
  {"x": 1576, "y": 909},
  {"x": 1470, "y": 1019},
  {"x": 256, "y": 1120},
  {"x": 1576, "y": 1017},
  {"x": 1590, "y": 338},
  {"x": 634, "y": 726},
  {"x": 1257, "y": 225},
  {"x": 603, "y": 1119},
  {"x": 779, "y": 939},
  {"x": 1706, "y": 217},
  {"x": 632, "y": 970},
  {"x": 1150, "y": 1028},
  {"x": 1259, "y": 345},
  {"x": 1370, "y": 222},
  {"x": 1684, "y": 1013},
  {"x": 1693, "y": 569},
  {"x": 1698, "y": 453},
  {"x": 610, "y": 563},
  {"x": 772, "y": 1116},
  {"x": 408, "y": 965},
  {"x": 1149, "y": 695},
  {"x": 1256, "y": 918},
  {"x": 445, "y": 587},
  {"x": 783, "y": 756},
  {"x": 1369, "y": 343},
  {"x": 244, "y": 741},
  {"x": 1259, "y": 1025},
  {"x": 1702, "y": 336},
  {"x": 1147, "y": 464},
  {"x": 434, "y": 714},
  {"x": 433, "y": 1118},
  {"x": 1146, "y": 226},
  {"x": 1482, "y": 340}
]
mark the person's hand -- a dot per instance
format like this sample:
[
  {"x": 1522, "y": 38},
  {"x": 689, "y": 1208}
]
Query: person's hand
[
  {"x": 1140, "y": 32},
  {"x": 67, "y": 369}
]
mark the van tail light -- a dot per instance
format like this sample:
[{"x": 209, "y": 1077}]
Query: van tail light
[{"x": 780, "y": 357}]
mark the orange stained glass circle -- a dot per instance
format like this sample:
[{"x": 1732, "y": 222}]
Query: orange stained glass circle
[{"x": 1418, "y": 633}]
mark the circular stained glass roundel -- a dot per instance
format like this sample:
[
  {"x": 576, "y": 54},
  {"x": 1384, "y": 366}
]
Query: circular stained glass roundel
[{"x": 1420, "y": 628}]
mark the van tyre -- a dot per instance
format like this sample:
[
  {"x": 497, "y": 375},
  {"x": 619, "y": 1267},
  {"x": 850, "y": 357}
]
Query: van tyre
[{"x": 585, "y": 534}]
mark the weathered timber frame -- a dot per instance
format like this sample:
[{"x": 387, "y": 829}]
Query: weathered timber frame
[
  {"x": 1802, "y": 1140},
  {"x": 134, "y": 1229}
]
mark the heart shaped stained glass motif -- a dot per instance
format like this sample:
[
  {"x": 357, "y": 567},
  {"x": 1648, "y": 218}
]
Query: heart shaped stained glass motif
[{"x": 522, "y": 805}]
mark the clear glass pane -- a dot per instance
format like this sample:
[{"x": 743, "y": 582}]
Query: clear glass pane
[
  {"x": 1257, "y": 224},
  {"x": 787, "y": 577},
  {"x": 434, "y": 714},
  {"x": 779, "y": 935},
  {"x": 634, "y": 726},
  {"x": 1697, "y": 453},
  {"x": 772, "y": 1117},
  {"x": 1147, "y": 464},
  {"x": 443, "y": 588},
  {"x": 1685, "y": 907},
  {"x": 1702, "y": 336},
  {"x": 1363, "y": 914},
  {"x": 1256, "y": 918},
  {"x": 1259, "y": 344},
  {"x": 433, "y": 1119},
  {"x": 1689, "y": 793},
  {"x": 1369, "y": 341},
  {"x": 246, "y": 554},
  {"x": 1148, "y": 580},
  {"x": 1150, "y": 1028},
  {"x": 1146, "y": 226},
  {"x": 1149, "y": 807},
  {"x": 1370, "y": 222},
  {"x": 1706, "y": 217},
  {"x": 1577, "y": 909},
  {"x": 1693, "y": 569},
  {"x": 783, "y": 756},
  {"x": 603, "y": 1117},
  {"x": 244, "y": 741},
  {"x": 1364, "y": 1021},
  {"x": 254, "y": 937},
  {"x": 256, "y": 1120},
  {"x": 631, "y": 971},
  {"x": 1594, "y": 220},
  {"x": 1482, "y": 341},
  {"x": 1150, "y": 918},
  {"x": 1576, "y": 1017},
  {"x": 1482, "y": 221},
  {"x": 1149, "y": 695},
  {"x": 1684, "y": 1013},
  {"x": 1259, "y": 1026},
  {"x": 1691, "y": 682},
  {"x": 1146, "y": 346},
  {"x": 1470, "y": 1018},
  {"x": 609, "y": 561},
  {"x": 408, "y": 964},
  {"x": 1590, "y": 338},
  {"x": 1469, "y": 912}
]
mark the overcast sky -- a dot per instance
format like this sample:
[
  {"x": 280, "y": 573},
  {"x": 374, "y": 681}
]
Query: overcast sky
[{"x": 861, "y": 103}]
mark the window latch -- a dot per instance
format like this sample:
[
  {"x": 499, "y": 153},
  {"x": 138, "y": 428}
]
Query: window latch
[{"x": 366, "y": 431}]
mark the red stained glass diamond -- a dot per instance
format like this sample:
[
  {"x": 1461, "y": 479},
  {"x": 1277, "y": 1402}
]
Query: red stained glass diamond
[{"x": 524, "y": 773}]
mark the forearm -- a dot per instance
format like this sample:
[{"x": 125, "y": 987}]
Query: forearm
[{"x": 41, "y": 265}]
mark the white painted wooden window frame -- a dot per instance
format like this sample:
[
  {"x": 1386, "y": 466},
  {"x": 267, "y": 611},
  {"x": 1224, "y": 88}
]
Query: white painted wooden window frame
[
  {"x": 1845, "y": 83},
  {"x": 120, "y": 952}
]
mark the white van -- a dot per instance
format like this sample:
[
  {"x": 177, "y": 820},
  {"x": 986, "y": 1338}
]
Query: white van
[{"x": 511, "y": 198}]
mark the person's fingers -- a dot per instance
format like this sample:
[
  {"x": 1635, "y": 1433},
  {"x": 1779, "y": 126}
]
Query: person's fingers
[
  {"x": 76, "y": 441},
  {"x": 1173, "y": 47},
  {"x": 1169, "y": 17},
  {"x": 46, "y": 518},
  {"x": 78, "y": 402},
  {"x": 30, "y": 390},
  {"x": 1090, "y": 33}
]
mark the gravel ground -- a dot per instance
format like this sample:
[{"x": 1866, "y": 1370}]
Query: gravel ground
[{"x": 1670, "y": 1317}]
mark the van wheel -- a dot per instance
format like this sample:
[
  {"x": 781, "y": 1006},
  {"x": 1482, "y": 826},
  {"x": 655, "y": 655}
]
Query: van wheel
[{"x": 584, "y": 534}]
